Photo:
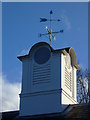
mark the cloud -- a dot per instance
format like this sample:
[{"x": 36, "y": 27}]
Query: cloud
[
  {"x": 24, "y": 51},
  {"x": 10, "y": 95},
  {"x": 66, "y": 21}
]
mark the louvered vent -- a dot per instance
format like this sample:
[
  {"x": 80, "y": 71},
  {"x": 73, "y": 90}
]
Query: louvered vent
[
  {"x": 68, "y": 79},
  {"x": 41, "y": 74}
]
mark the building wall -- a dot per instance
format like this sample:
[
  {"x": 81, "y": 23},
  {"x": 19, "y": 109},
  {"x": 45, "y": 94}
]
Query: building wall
[
  {"x": 46, "y": 87},
  {"x": 75, "y": 83},
  {"x": 40, "y": 103},
  {"x": 68, "y": 86},
  {"x": 49, "y": 72},
  {"x": 41, "y": 95}
]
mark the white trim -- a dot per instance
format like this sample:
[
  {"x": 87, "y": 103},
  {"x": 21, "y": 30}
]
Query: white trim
[
  {"x": 40, "y": 93},
  {"x": 69, "y": 97}
]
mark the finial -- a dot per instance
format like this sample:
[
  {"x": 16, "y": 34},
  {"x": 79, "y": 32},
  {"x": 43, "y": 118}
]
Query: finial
[{"x": 51, "y": 12}]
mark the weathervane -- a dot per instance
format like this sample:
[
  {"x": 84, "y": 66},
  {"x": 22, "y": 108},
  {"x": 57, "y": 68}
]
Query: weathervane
[{"x": 49, "y": 31}]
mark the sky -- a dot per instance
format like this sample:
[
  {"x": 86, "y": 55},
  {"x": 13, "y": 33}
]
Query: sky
[{"x": 21, "y": 26}]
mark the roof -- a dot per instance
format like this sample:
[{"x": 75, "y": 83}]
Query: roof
[
  {"x": 10, "y": 115},
  {"x": 41, "y": 44},
  {"x": 72, "y": 111},
  {"x": 66, "y": 50}
]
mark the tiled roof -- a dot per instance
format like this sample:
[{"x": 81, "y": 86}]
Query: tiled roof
[{"x": 81, "y": 111}]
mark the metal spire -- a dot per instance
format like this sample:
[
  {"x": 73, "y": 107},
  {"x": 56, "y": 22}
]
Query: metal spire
[{"x": 49, "y": 31}]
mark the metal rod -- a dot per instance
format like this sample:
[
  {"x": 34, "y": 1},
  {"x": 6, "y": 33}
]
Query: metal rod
[{"x": 50, "y": 27}]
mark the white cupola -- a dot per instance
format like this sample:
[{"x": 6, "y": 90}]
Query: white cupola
[{"x": 48, "y": 79}]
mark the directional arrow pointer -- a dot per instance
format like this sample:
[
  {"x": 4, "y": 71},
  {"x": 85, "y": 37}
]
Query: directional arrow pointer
[{"x": 43, "y": 19}]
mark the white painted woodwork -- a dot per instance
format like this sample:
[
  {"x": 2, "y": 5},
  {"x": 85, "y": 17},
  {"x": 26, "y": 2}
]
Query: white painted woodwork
[{"x": 46, "y": 87}]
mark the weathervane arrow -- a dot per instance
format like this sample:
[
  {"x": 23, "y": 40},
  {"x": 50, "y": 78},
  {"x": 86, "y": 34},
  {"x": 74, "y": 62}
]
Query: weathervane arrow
[
  {"x": 43, "y": 19},
  {"x": 49, "y": 31}
]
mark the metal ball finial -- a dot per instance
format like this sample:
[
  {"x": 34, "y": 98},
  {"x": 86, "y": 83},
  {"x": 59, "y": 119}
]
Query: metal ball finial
[{"x": 51, "y": 12}]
